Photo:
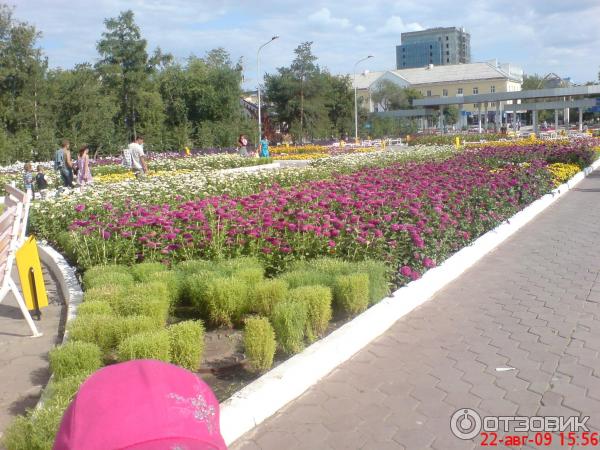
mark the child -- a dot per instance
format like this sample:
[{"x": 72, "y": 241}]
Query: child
[
  {"x": 28, "y": 179},
  {"x": 41, "y": 183},
  {"x": 84, "y": 174}
]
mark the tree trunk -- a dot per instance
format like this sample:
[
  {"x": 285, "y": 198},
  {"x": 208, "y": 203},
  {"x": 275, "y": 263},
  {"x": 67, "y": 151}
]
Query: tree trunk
[{"x": 302, "y": 110}]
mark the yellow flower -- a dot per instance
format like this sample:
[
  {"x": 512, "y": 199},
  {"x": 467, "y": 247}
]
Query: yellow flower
[{"x": 562, "y": 172}]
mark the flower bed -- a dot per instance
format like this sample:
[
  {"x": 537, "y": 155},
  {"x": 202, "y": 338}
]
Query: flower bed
[{"x": 449, "y": 139}]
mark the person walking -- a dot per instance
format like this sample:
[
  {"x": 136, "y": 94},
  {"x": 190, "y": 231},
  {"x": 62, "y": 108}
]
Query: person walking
[
  {"x": 138, "y": 157},
  {"x": 63, "y": 163},
  {"x": 84, "y": 173},
  {"x": 264, "y": 147},
  {"x": 243, "y": 145}
]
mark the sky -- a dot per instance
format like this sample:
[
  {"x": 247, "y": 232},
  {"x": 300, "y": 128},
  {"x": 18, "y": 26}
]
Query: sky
[{"x": 541, "y": 36}]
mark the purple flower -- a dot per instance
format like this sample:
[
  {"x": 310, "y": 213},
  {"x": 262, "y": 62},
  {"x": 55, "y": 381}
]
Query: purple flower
[
  {"x": 405, "y": 271},
  {"x": 80, "y": 207}
]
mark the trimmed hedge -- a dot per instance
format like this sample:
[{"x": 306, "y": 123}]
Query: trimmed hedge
[
  {"x": 379, "y": 287},
  {"x": 145, "y": 271},
  {"x": 230, "y": 266},
  {"x": 251, "y": 276},
  {"x": 195, "y": 287},
  {"x": 259, "y": 343},
  {"x": 226, "y": 300},
  {"x": 125, "y": 327},
  {"x": 146, "y": 299},
  {"x": 194, "y": 266},
  {"x": 266, "y": 295},
  {"x": 108, "y": 275},
  {"x": 150, "y": 345},
  {"x": 289, "y": 322},
  {"x": 351, "y": 293},
  {"x": 187, "y": 344},
  {"x": 64, "y": 390},
  {"x": 98, "y": 308},
  {"x": 74, "y": 358},
  {"x": 108, "y": 294},
  {"x": 95, "y": 329},
  {"x": 318, "y": 303},
  {"x": 306, "y": 277},
  {"x": 174, "y": 282}
]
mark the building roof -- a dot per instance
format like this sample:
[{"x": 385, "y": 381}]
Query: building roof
[{"x": 450, "y": 73}]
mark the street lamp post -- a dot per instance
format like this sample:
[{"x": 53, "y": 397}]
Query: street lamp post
[
  {"x": 355, "y": 99},
  {"x": 258, "y": 79}
]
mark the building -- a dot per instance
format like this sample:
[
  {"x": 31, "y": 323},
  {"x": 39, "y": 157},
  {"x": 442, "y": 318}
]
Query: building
[
  {"x": 445, "y": 81},
  {"x": 437, "y": 46}
]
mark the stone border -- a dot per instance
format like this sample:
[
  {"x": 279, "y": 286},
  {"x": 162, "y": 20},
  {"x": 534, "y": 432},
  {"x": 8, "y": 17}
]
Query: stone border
[
  {"x": 249, "y": 169},
  {"x": 264, "y": 397}
]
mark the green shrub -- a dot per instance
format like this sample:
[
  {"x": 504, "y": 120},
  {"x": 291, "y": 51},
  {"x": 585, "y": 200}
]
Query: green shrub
[
  {"x": 297, "y": 278},
  {"x": 351, "y": 293},
  {"x": 146, "y": 299},
  {"x": 151, "y": 345},
  {"x": 330, "y": 266},
  {"x": 194, "y": 290},
  {"x": 74, "y": 358},
  {"x": 95, "y": 329},
  {"x": 226, "y": 300},
  {"x": 37, "y": 430},
  {"x": 259, "y": 343},
  {"x": 289, "y": 322},
  {"x": 108, "y": 294},
  {"x": 145, "y": 271},
  {"x": 108, "y": 275},
  {"x": 174, "y": 282},
  {"x": 195, "y": 266},
  {"x": 125, "y": 327},
  {"x": 251, "y": 276},
  {"x": 318, "y": 303},
  {"x": 64, "y": 390},
  {"x": 98, "y": 308},
  {"x": 230, "y": 266},
  {"x": 187, "y": 344},
  {"x": 266, "y": 295},
  {"x": 379, "y": 287}
]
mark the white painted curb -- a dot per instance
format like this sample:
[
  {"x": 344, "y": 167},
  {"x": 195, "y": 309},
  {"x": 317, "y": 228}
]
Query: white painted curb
[
  {"x": 66, "y": 277},
  {"x": 265, "y": 396}
]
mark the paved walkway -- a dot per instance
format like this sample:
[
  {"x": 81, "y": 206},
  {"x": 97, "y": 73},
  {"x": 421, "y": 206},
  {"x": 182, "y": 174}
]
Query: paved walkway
[
  {"x": 24, "y": 360},
  {"x": 533, "y": 305}
]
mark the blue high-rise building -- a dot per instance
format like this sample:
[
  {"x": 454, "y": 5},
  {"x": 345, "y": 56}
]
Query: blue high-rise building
[{"x": 437, "y": 46}]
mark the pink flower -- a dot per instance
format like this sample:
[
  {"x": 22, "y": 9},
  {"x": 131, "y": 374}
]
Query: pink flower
[
  {"x": 429, "y": 263},
  {"x": 405, "y": 271},
  {"x": 80, "y": 207}
]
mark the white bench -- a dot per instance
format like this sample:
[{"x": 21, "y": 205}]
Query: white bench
[{"x": 13, "y": 225}]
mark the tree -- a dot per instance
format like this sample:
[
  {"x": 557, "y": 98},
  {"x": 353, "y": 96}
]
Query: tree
[
  {"x": 302, "y": 67},
  {"x": 126, "y": 67},
  {"x": 392, "y": 96}
]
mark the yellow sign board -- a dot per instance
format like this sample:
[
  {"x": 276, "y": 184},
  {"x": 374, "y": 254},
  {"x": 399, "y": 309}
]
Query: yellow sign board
[{"x": 30, "y": 274}]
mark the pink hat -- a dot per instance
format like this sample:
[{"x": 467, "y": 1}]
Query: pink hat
[{"x": 142, "y": 405}]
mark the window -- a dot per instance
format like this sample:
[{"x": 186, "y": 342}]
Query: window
[
  {"x": 428, "y": 93},
  {"x": 430, "y": 47},
  {"x": 493, "y": 89},
  {"x": 446, "y": 37},
  {"x": 447, "y": 45},
  {"x": 447, "y": 53},
  {"x": 403, "y": 49},
  {"x": 475, "y": 90},
  {"x": 430, "y": 54},
  {"x": 447, "y": 60},
  {"x": 459, "y": 91},
  {"x": 445, "y": 92}
]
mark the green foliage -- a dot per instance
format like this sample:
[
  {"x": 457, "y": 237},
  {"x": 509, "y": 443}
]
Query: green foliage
[
  {"x": 97, "y": 308},
  {"x": 187, "y": 344},
  {"x": 94, "y": 329},
  {"x": 289, "y": 322},
  {"x": 146, "y": 299},
  {"x": 297, "y": 278},
  {"x": 125, "y": 327},
  {"x": 64, "y": 390},
  {"x": 318, "y": 303},
  {"x": 259, "y": 343},
  {"x": 108, "y": 275},
  {"x": 74, "y": 358},
  {"x": 37, "y": 430},
  {"x": 195, "y": 288},
  {"x": 145, "y": 271},
  {"x": 351, "y": 293},
  {"x": 266, "y": 294},
  {"x": 233, "y": 265},
  {"x": 379, "y": 286},
  {"x": 193, "y": 266},
  {"x": 151, "y": 345},
  {"x": 226, "y": 300},
  {"x": 250, "y": 276},
  {"x": 106, "y": 294},
  {"x": 174, "y": 282}
]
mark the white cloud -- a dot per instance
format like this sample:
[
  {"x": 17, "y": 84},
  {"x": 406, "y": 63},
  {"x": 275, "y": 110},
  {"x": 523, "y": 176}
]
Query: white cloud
[
  {"x": 324, "y": 17},
  {"x": 395, "y": 25},
  {"x": 360, "y": 29}
]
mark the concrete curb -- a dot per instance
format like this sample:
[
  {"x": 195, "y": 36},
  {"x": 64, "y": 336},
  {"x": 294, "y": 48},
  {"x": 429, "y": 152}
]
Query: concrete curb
[
  {"x": 66, "y": 277},
  {"x": 264, "y": 397}
]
